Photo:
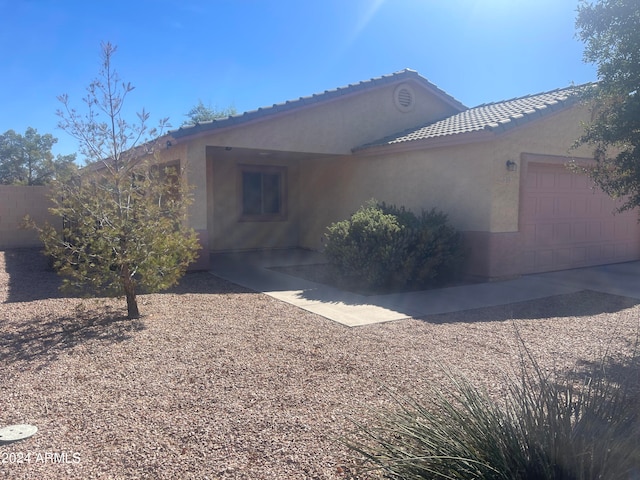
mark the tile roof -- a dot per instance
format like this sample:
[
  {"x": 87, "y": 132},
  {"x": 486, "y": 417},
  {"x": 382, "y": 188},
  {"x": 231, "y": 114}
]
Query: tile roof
[
  {"x": 492, "y": 117},
  {"x": 406, "y": 74}
]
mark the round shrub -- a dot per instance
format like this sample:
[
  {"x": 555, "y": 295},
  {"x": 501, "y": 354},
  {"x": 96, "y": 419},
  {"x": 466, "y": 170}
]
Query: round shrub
[{"x": 386, "y": 246}]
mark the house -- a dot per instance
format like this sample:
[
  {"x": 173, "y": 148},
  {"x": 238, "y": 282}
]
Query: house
[{"x": 276, "y": 177}]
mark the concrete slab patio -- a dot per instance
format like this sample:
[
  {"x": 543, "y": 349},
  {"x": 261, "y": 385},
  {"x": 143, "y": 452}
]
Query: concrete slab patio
[{"x": 254, "y": 270}]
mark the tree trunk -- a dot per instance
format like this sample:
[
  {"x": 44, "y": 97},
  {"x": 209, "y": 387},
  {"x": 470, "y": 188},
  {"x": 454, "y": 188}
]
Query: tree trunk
[
  {"x": 132, "y": 305},
  {"x": 130, "y": 292}
]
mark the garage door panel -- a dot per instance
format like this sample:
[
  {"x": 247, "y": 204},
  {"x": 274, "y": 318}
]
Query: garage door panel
[
  {"x": 544, "y": 258},
  {"x": 563, "y": 256},
  {"x": 563, "y": 207},
  {"x": 594, "y": 232},
  {"x": 580, "y": 208},
  {"x": 594, "y": 253},
  {"x": 530, "y": 181},
  {"x": 566, "y": 223},
  {"x": 579, "y": 255},
  {"x": 607, "y": 228},
  {"x": 528, "y": 260},
  {"x": 581, "y": 183},
  {"x": 529, "y": 206},
  {"x": 580, "y": 230},
  {"x": 596, "y": 206},
  {"x": 528, "y": 233},
  {"x": 562, "y": 233},
  {"x": 608, "y": 252},
  {"x": 621, "y": 230},
  {"x": 622, "y": 250},
  {"x": 545, "y": 207},
  {"x": 543, "y": 234},
  {"x": 547, "y": 181},
  {"x": 563, "y": 181}
]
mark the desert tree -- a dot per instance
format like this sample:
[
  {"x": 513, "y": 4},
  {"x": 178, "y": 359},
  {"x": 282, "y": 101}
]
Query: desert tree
[
  {"x": 27, "y": 159},
  {"x": 200, "y": 113},
  {"x": 610, "y": 30},
  {"x": 124, "y": 228}
]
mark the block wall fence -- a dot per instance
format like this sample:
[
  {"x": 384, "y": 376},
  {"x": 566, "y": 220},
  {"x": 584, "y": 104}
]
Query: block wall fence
[{"x": 15, "y": 203}]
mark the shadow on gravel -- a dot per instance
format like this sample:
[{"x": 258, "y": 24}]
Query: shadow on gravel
[
  {"x": 44, "y": 337},
  {"x": 206, "y": 283},
  {"x": 30, "y": 277},
  {"x": 580, "y": 304},
  {"x": 618, "y": 369}
]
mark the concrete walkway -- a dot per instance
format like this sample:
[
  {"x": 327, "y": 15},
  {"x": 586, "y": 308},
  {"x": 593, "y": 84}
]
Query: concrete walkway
[{"x": 252, "y": 270}]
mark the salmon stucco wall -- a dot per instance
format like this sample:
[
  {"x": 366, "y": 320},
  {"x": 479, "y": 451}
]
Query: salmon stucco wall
[{"x": 15, "y": 203}]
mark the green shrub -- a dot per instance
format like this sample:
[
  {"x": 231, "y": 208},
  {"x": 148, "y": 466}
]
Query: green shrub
[
  {"x": 383, "y": 246},
  {"x": 548, "y": 427}
]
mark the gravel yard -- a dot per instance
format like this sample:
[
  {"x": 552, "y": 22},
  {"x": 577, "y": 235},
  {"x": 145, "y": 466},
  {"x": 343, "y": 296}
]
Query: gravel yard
[{"x": 220, "y": 382}]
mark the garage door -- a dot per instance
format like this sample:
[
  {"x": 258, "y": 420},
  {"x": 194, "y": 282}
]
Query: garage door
[{"x": 565, "y": 223}]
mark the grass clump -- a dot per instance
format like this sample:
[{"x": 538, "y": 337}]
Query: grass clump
[{"x": 547, "y": 426}]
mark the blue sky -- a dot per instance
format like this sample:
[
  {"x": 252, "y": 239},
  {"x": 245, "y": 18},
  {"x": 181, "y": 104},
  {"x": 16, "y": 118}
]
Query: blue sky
[{"x": 254, "y": 53}]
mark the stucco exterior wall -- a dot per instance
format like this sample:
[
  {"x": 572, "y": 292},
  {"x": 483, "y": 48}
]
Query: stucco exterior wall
[
  {"x": 15, "y": 203},
  {"x": 191, "y": 157},
  {"x": 336, "y": 126},
  {"x": 496, "y": 252},
  {"x": 455, "y": 180},
  {"x": 226, "y": 230},
  {"x": 553, "y": 135},
  {"x": 468, "y": 181}
]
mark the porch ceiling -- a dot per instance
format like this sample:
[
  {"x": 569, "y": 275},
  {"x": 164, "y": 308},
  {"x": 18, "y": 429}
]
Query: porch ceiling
[{"x": 239, "y": 153}]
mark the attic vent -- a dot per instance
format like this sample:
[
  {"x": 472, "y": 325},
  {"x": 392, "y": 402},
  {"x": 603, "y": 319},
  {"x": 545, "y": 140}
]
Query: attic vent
[{"x": 404, "y": 98}]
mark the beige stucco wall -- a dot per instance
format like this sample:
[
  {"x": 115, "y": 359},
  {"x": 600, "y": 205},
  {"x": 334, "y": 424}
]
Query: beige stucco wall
[
  {"x": 191, "y": 157},
  {"x": 330, "y": 127},
  {"x": 15, "y": 203},
  {"x": 335, "y": 126},
  {"x": 468, "y": 181},
  {"x": 225, "y": 230},
  {"x": 456, "y": 180}
]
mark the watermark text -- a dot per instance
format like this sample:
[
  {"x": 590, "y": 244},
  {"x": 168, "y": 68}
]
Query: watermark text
[{"x": 17, "y": 458}]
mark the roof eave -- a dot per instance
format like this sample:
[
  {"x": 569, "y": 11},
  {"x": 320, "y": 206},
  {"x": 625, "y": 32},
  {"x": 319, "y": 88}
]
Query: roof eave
[{"x": 427, "y": 143}]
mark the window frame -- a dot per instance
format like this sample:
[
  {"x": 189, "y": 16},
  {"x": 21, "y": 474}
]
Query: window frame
[{"x": 281, "y": 171}]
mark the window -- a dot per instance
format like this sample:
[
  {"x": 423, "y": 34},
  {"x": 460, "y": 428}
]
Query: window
[{"x": 262, "y": 191}]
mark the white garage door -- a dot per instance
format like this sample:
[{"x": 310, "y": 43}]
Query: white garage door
[{"x": 565, "y": 223}]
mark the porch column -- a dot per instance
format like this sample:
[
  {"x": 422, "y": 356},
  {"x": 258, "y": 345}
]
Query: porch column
[{"x": 196, "y": 166}]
